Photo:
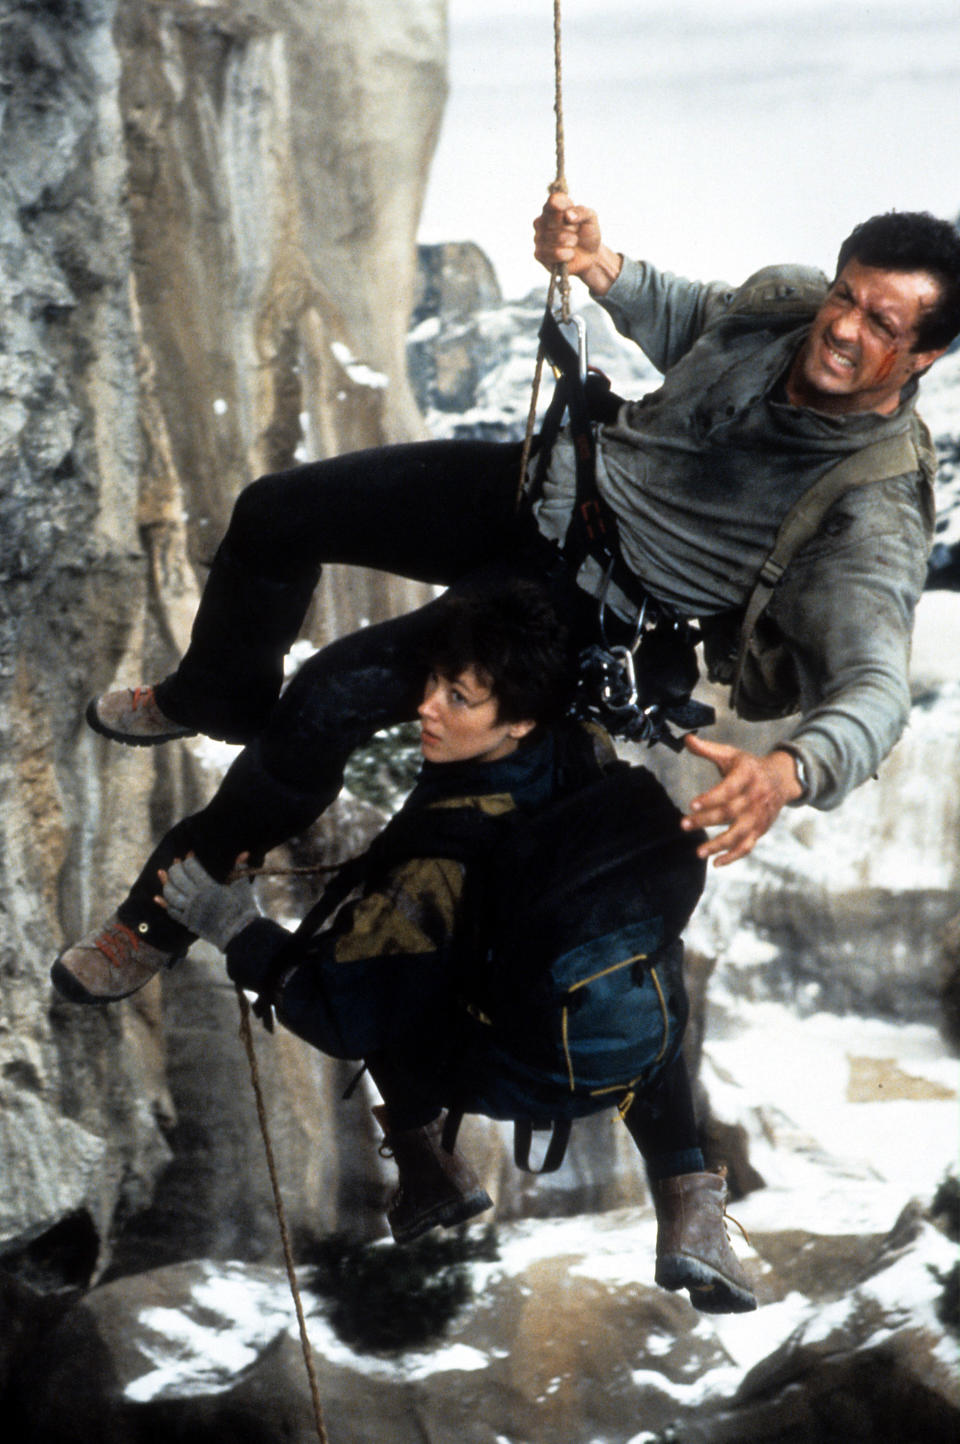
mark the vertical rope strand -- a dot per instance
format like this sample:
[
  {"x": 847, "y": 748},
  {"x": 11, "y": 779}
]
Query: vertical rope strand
[
  {"x": 560, "y": 184},
  {"x": 246, "y": 1035},
  {"x": 558, "y": 275}
]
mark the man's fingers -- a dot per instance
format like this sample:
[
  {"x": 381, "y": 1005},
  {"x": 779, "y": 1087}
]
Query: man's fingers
[
  {"x": 716, "y": 752},
  {"x": 735, "y": 842},
  {"x": 714, "y": 806},
  {"x": 737, "y": 831},
  {"x": 717, "y": 816}
]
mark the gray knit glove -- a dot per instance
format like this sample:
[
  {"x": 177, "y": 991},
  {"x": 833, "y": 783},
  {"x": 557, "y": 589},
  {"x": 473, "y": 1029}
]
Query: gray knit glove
[{"x": 215, "y": 911}]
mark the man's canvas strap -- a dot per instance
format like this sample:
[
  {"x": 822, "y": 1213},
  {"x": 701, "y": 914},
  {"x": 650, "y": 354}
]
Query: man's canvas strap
[{"x": 880, "y": 461}]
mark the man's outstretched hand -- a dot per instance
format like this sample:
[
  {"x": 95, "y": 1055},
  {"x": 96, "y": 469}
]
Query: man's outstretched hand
[{"x": 745, "y": 803}]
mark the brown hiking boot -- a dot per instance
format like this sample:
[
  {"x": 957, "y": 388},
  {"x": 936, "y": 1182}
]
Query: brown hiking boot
[
  {"x": 437, "y": 1188},
  {"x": 109, "y": 964},
  {"x": 133, "y": 716},
  {"x": 693, "y": 1250}
]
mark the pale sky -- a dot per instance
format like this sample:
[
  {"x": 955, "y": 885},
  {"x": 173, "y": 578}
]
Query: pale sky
[{"x": 713, "y": 138}]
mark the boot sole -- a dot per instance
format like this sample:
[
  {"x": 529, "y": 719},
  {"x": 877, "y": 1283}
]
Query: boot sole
[
  {"x": 710, "y": 1292},
  {"x": 444, "y": 1215},
  {"x": 68, "y": 987},
  {"x": 130, "y": 739}
]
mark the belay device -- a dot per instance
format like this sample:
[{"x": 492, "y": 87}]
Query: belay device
[{"x": 638, "y": 690}]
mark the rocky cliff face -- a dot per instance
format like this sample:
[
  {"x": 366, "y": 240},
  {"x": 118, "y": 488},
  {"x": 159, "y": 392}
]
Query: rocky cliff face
[{"x": 207, "y": 214}]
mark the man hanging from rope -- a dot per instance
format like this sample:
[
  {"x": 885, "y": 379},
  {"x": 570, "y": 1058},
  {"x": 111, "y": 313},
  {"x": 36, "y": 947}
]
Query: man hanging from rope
[{"x": 765, "y": 389}]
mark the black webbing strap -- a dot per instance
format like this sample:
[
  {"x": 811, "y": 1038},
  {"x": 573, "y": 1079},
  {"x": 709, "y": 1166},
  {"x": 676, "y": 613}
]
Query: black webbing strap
[
  {"x": 556, "y": 1148},
  {"x": 593, "y": 527},
  {"x": 522, "y": 1141}
]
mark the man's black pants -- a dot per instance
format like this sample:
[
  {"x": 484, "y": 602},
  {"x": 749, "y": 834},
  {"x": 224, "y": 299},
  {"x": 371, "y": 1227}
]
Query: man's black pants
[{"x": 440, "y": 512}]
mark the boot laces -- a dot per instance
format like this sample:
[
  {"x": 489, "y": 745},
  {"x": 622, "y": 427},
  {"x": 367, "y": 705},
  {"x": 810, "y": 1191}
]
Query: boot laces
[
  {"x": 115, "y": 941},
  {"x": 141, "y": 697},
  {"x": 722, "y": 1171},
  {"x": 740, "y": 1226}
]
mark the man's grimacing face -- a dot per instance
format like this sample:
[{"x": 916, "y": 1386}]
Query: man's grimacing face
[{"x": 859, "y": 354}]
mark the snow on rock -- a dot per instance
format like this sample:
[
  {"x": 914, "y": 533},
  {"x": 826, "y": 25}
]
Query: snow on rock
[
  {"x": 567, "y": 1338},
  {"x": 200, "y": 1344}
]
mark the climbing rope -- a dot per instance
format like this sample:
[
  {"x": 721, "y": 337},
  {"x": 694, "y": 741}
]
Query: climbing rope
[
  {"x": 246, "y": 1034},
  {"x": 559, "y": 277}
]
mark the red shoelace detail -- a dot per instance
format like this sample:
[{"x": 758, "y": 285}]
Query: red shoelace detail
[
  {"x": 141, "y": 697},
  {"x": 111, "y": 943}
]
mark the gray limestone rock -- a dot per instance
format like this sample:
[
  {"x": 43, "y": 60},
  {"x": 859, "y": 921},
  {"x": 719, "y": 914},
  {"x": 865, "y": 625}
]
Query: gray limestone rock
[{"x": 207, "y": 218}]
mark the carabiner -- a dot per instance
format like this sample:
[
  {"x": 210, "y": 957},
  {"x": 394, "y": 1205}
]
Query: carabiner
[
  {"x": 578, "y": 340},
  {"x": 624, "y": 657}
]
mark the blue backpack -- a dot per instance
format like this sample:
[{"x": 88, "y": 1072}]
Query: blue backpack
[{"x": 570, "y": 994}]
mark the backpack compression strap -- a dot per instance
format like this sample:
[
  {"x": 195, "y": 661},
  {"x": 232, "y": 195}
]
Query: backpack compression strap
[
  {"x": 522, "y": 1139},
  {"x": 556, "y": 1148}
]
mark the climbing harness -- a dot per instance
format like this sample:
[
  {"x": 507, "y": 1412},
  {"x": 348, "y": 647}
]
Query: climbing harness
[{"x": 639, "y": 690}]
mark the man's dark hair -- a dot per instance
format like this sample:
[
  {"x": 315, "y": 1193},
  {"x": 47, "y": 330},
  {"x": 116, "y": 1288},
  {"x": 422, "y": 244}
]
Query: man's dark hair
[
  {"x": 914, "y": 241},
  {"x": 511, "y": 635}
]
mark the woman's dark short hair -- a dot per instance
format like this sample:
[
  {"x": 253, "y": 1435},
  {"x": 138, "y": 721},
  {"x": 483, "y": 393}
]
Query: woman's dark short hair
[
  {"x": 511, "y": 635},
  {"x": 914, "y": 241}
]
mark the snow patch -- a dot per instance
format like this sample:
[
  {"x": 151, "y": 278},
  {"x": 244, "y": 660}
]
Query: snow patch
[
  {"x": 202, "y": 1349},
  {"x": 358, "y": 371},
  {"x": 719, "y": 1383}
]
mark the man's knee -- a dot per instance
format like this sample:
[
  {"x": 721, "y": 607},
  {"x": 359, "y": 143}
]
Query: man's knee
[{"x": 255, "y": 514}]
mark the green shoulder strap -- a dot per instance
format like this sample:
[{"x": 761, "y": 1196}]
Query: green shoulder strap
[
  {"x": 795, "y": 292},
  {"x": 911, "y": 450}
]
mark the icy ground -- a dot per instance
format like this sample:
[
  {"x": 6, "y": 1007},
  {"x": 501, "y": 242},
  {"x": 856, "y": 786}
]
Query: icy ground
[{"x": 841, "y": 1155}]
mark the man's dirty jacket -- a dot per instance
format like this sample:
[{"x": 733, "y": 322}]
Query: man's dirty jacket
[{"x": 701, "y": 472}]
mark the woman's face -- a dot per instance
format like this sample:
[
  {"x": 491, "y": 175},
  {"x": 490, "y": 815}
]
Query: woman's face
[{"x": 458, "y": 721}]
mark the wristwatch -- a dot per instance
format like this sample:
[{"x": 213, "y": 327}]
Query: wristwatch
[{"x": 802, "y": 777}]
